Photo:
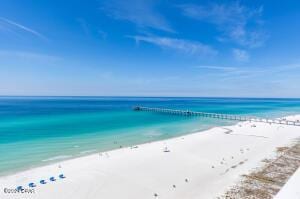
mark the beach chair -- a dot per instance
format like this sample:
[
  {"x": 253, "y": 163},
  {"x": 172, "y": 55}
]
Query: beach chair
[
  {"x": 62, "y": 176},
  {"x": 31, "y": 184},
  {"x": 43, "y": 182},
  {"x": 52, "y": 179}
]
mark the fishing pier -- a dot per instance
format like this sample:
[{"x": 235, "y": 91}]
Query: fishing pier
[{"x": 216, "y": 115}]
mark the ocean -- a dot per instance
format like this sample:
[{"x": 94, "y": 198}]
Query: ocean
[{"x": 36, "y": 131}]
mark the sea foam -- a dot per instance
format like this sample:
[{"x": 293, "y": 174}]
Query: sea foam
[{"x": 57, "y": 158}]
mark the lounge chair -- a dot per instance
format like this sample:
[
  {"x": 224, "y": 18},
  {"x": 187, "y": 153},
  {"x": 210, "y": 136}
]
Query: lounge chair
[
  {"x": 52, "y": 179},
  {"x": 43, "y": 182},
  {"x": 31, "y": 184},
  {"x": 62, "y": 176}
]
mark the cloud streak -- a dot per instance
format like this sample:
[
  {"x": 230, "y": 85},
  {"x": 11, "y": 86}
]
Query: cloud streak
[
  {"x": 227, "y": 73},
  {"x": 181, "y": 45},
  {"x": 12, "y": 26},
  {"x": 27, "y": 56},
  {"x": 141, "y": 13},
  {"x": 238, "y": 23},
  {"x": 217, "y": 68}
]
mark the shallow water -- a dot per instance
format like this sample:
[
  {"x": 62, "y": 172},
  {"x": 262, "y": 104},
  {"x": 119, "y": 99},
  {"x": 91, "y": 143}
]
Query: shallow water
[{"x": 39, "y": 130}]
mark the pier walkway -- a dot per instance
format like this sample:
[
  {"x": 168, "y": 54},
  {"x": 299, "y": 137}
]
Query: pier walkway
[{"x": 216, "y": 115}]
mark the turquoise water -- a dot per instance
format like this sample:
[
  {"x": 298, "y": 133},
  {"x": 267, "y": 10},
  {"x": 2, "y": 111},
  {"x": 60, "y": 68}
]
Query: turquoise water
[{"x": 40, "y": 130}]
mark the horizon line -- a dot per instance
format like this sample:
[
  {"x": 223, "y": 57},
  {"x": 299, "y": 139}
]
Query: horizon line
[{"x": 133, "y": 96}]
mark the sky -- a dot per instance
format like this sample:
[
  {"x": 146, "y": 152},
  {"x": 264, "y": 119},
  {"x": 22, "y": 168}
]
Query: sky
[{"x": 191, "y": 48}]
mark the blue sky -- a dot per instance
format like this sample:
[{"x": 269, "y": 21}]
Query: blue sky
[{"x": 150, "y": 48}]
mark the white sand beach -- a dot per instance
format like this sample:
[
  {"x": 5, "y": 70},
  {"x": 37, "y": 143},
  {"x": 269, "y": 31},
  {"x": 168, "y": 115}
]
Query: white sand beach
[{"x": 199, "y": 165}]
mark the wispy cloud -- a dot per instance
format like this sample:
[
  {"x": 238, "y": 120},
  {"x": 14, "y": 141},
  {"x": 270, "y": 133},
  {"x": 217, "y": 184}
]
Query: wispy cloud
[
  {"x": 182, "y": 45},
  {"x": 240, "y": 55},
  {"x": 228, "y": 73},
  {"x": 238, "y": 23},
  {"x": 14, "y": 26},
  {"x": 217, "y": 68},
  {"x": 89, "y": 31},
  {"x": 141, "y": 13},
  {"x": 29, "y": 56}
]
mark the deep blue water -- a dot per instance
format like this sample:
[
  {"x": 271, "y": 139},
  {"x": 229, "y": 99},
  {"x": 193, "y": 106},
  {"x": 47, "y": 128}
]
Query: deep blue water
[{"x": 40, "y": 130}]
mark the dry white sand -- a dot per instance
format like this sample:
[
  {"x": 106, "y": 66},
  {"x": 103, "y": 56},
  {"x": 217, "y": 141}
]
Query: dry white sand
[
  {"x": 291, "y": 189},
  {"x": 198, "y": 165}
]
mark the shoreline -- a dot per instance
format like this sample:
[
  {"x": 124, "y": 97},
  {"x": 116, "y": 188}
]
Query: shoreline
[
  {"x": 186, "y": 150},
  {"x": 55, "y": 160},
  {"x": 81, "y": 154}
]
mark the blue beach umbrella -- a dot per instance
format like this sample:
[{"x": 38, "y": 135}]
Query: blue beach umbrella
[
  {"x": 62, "y": 176},
  {"x": 31, "y": 184},
  {"x": 52, "y": 179}
]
